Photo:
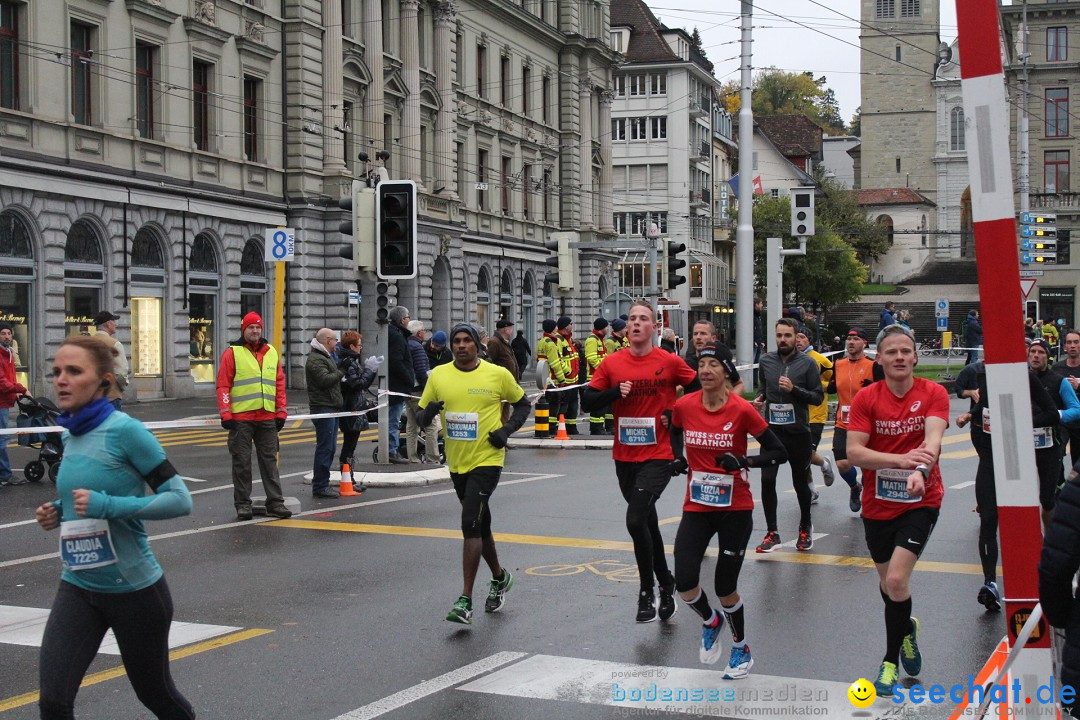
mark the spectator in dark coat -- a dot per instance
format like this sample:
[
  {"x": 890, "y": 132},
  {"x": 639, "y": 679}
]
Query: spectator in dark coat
[
  {"x": 499, "y": 350},
  {"x": 1059, "y": 562},
  {"x": 324, "y": 395},
  {"x": 888, "y": 315},
  {"x": 412, "y": 406},
  {"x": 973, "y": 336},
  {"x": 401, "y": 376},
  {"x": 437, "y": 352},
  {"x": 522, "y": 351},
  {"x": 359, "y": 374}
]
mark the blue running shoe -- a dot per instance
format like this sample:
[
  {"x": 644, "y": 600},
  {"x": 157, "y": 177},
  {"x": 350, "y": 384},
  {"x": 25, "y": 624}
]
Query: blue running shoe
[
  {"x": 886, "y": 680},
  {"x": 990, "y": 596},
  {"x": 740, "y": 663},
  {"x": 910, "y": 657},
  {"x": 710, "y": 645}
]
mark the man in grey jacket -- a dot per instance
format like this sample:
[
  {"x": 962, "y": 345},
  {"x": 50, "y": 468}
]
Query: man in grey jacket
[
  {"x": 412, "y": 405},
  {"x": 791, "y": 383},
  {"x": 324, "y": 396}
]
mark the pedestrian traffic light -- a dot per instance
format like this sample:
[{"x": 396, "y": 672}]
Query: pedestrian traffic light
[
  {"x": 565, "y": 276},
  {"x": 672, "y": 263},
  {"x": 395, "y": 230},
  {"x": 802, "y": 211},
  {"x": 360, "y": 226},
  {"x": 1063, "y": 254},
  {"x": 382, "y": 302}
]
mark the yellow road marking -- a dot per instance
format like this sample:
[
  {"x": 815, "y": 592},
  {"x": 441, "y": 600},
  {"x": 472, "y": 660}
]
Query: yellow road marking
[
  {"x": 589, "y": 543},
  {"x": 112, "y": 673},
  {"x": 671, "y": 520}
]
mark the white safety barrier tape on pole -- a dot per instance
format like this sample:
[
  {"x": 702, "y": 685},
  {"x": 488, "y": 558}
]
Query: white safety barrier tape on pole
[
  {"x": 1015, "y": 476},
  {"x": 201, "y": 422}
]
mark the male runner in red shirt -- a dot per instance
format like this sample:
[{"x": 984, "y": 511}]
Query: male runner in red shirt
[
  {"x": 640, "y": 386},
  {"x": 894, "y": 435}
]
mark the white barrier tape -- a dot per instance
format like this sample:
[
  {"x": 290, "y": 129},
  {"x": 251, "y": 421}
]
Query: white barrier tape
[{"x": 202, "y": 422}]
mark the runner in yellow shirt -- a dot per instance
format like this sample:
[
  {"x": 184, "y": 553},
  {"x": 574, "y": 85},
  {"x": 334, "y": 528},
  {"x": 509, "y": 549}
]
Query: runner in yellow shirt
[{"x": 468, "y": 394}]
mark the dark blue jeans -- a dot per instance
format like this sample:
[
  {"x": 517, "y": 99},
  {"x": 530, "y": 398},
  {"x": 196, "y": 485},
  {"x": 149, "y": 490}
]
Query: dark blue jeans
[
  {"x": 325, "y": 444},
  {"x": 396, "y": 407}
]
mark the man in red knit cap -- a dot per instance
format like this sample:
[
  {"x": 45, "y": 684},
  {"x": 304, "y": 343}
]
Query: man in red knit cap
[{"x": 251, "y": 401}]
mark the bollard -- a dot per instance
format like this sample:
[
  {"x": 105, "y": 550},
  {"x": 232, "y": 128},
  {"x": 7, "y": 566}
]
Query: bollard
[{"x": 541, "y": 421}]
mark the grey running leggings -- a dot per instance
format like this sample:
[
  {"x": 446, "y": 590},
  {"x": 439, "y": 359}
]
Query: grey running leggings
[{"x": 140, "y": 621}]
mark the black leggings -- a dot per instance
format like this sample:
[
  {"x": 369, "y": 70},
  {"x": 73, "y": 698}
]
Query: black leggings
[
  {"x": 140, "y": 621},
  {"x": 641, "y": 484},
  {"x": 732, "y": 529},
  {"x": 986, "y": 499},
  {"x": 799, "y": 451},
  {"x": 348, "y": 446}
]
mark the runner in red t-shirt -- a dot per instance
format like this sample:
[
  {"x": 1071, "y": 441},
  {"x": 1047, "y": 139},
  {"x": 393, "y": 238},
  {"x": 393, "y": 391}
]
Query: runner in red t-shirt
[
  {"x": 894, "y": 435},
  {"x": 640, "y": 387},
  {"x": 712, "y": 426}
]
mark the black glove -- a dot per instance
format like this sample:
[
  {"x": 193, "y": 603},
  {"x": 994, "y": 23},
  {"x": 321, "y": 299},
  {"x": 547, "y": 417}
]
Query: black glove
[
  {"x": 678, "y": 466},
  {"x": 228, "y": 424},
  {"x": 867, "y": 382},
  {"x": 430, "y": 412},
  {"x": 731, "y": 463},
  {"x": 279, "y": 422},
  {"x": 498, "y": 437}
]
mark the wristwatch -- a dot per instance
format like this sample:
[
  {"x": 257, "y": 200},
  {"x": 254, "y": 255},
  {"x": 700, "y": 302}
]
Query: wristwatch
[{"x": 924, "y": 470}]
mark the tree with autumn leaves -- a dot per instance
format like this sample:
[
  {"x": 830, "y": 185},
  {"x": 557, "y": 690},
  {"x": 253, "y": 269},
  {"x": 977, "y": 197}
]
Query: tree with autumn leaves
[{"x": 778, "y": 92}]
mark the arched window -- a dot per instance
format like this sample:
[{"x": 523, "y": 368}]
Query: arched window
[
  {"x": 483, "y": 297},
  {"x": 203, "y": 257},
  {"x": 14, "y": 237},
  {"x": 252, "y": 279},
  {"x": 887, "y": 222},
  {"x": 147, "y": 297},
  {"x": 84, "y": 278},
  {"x": 146, "y": 251},
  {"x": 506, "y": 296},
  {"x": 956, "y": 129},
  {"x": 528, "y": 307},
  {"x": 203, "y": 281}
]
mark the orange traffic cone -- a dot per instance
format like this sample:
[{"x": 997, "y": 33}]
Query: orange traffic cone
[
  {"x": 561, "y": 434},
  {"x": 346, "y": 487}
]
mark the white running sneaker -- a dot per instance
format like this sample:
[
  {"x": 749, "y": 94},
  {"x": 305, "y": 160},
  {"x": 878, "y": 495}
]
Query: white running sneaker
[
  {"x": 827, "y": 473},
  {"x": 740, "y": 663}
]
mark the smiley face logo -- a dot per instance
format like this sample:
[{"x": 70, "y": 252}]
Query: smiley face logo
[{"x": 862, "y": 693}]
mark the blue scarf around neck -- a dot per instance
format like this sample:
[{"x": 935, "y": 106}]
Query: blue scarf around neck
[{"x": 86, "y": 419}]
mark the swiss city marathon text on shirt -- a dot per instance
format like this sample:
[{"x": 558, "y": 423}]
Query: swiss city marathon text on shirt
[
  {"x": 899, "y": 427},
  {"x": 700, "y": 438},
  {"x": 647, "y": 387}
]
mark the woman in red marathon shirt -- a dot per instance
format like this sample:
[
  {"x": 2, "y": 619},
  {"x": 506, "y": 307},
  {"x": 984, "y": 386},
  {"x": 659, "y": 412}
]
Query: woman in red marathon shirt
[
  {"x": 640, "y": 386},
  {"x": 894, "y": 435},
  {"x": 712, "y": 425}
]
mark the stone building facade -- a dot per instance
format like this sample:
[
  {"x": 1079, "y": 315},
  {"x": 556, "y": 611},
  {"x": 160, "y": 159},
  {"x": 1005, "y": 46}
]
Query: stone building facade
[{"x": 148, "y": 145}]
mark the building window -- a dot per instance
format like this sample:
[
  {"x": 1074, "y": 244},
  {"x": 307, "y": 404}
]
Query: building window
[
  {"x": 481, "y": 179},
  {"x": 526, "y": 88},
  {"x": 81, "y": 86},
  {"x": 658, "y": 128},
  {"x": 897, "y": 164},
  {"x": 506, "y": 180},
  {"x": 545, "y": 97},
  {"x": 526, "y": 184},
  {"x": 1057, "y": 43},
  {"x": 618, "y": 221},
  {"x": 251, "y": 118},
  {"x": 459, "y": 47},
  {"x": 620, "y": 86},
  {"x": 459, "y": 163},
  {"x": 616, "y": 41},
  {"x": 421, "y": 34},
  {"x": 909, "y": 8},
  {"x": 658, "y": 84},
  {"x": 9, "y": 55},
  {"x": 200, "y": 100},
  {"x": 884, "y": 9},
  {"x": 144, "y": 89},
  {"x": 637, "y": 128},
  {"x": 483, "y": 297},
  {"x": 481, "y": 62},
  {"x": 1056, "y": 171},
  {"x": 956, "y": 129},
  {"x": 504, "y": 80},
  {"x": 898, "y": 54},
  {"x": 547, "y": 196},
  {"x": 637, "y": 85},
  {"x": 618, "y": 129},
  {"x": 1057, "y": 112}
]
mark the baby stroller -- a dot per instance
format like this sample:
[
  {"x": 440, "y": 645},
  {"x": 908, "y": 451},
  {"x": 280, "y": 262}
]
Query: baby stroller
[{"x": 40, "y": 412}]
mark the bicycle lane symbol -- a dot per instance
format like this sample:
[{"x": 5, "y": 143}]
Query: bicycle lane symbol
[{"x": 608, "y": 569}]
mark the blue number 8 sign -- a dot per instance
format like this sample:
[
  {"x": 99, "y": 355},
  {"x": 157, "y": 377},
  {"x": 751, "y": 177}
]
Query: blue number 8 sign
[{"x": 280, "y": 247}]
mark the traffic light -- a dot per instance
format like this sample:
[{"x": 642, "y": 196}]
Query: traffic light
[
  {"x": 382, "y": 302},
  {"x": 1063, "y": 254},
  {"x": 360, "y": 226},
  {"x": 802, "y": 211},
  {"x": 395, "y": 230},
  {"x": 672, "y": 263},
  {"x": 1038, "y": 238},
  {"x": 565, "y": 276}
]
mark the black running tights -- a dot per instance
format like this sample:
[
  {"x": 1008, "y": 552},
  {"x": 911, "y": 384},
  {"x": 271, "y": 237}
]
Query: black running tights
[
  {"x": 644, "y": 528},
  {"x": 140, "y": 621},
  {"x": 986, "y": 499},
  {"x": 799, "y": 450}
]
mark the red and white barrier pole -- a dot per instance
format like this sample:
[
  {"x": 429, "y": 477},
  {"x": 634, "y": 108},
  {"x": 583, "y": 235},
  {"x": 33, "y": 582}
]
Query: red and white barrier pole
[{"x": 997, "y": 253}]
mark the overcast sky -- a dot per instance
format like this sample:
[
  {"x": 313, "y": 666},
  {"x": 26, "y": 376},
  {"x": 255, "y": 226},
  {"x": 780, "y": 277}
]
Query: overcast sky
[{"x": 780, "y": 41}]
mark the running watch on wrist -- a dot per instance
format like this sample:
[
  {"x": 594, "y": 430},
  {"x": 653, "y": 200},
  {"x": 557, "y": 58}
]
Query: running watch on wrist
[{"x": 924, "y": 470}]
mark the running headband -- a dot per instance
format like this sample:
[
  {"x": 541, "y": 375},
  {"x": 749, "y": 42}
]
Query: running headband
[{"x": 894, "y": 329}]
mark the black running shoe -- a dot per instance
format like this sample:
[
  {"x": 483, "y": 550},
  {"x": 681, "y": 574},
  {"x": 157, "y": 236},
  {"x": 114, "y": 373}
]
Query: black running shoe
[
  {"x": 646, "y": 606},
  {"x": 668, "y": 605}
]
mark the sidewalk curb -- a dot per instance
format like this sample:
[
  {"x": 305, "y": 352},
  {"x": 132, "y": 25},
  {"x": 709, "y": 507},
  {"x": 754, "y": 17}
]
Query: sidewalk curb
[
  {"x": 560, "y": 444},
  {"x": 420, "y": 478}
]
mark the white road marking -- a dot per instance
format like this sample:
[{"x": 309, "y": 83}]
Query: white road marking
[
  {"x": 26, "y": 626},
  {"x": 598, "y": 682},
  {"x": 961, "y": 486},
  {"x": 185, "y": 478},
  {"x": 430, "y": 687},
  {"x": 317, "y": 511}
]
